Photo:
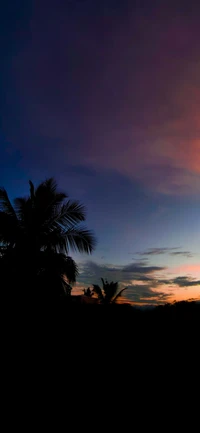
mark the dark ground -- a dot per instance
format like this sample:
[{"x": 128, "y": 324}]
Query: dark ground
[
  {"x": 100, "y": 363},
  {"x": 112, "y": 328}
]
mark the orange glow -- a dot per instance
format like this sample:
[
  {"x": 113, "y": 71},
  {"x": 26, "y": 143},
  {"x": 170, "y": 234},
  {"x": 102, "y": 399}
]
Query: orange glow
[{"x": 174, "y": 292}]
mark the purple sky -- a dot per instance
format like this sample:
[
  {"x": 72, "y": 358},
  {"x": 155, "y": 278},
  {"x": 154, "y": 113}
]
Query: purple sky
[{"x": 105, "y": 96}]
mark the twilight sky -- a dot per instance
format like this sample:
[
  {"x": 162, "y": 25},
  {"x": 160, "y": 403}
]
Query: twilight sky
[{"x": 104, "y": 95}]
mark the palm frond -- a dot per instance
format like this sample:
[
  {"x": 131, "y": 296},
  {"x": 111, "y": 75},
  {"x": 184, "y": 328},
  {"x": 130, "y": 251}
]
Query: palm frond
[
  {"x": 8, "y": 229},
  {"x": 70, "y": 269},
  {"x": 109, "y": 293},
  {"x": 110, "y": 290},
  {"x": 5, "y": 204},
  {"x": 104, "y": 284},
  {"x": 72, "y": 212},
  {"x": 97, "y": 290},
  {"x": 48, "y": 190},
  {"x": 48, "y": 202},
  {"x": 32, "y": 191},
  {"x": 118, "y": 295},
  {"x": 80, "y": 240},
  {"x": 53, "y": 240},
  {"x": 57, "y": 269},
  {"x": 23, "y": 208},
  {"x": 49, "y": 184}
]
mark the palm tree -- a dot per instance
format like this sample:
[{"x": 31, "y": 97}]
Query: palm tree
[
  {"x": 109, "y": 293},
  {"x": 88, "y": 292},
  {"x": 36, "y": 235}
]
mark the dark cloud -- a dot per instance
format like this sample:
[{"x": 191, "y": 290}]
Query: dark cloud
[
  {"x": 156, "y": 251},
  {"x": 91, "y": 272},
  {"x": 165, "y": 250},
  {"x": 186, "y": 281},
  {"x": 141, "y": 268},
  {"x": 182, "y": 281},
  {"x": 187, "y": 254},
  {"x": 146, "y": 295}
]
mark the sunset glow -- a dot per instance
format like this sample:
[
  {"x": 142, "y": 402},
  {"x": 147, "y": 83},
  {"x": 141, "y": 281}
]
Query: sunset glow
[{"x": 105, "y": 97}]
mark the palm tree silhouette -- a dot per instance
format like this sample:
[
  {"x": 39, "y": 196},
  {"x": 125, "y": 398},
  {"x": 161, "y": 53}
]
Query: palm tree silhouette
[
  {"x": 88, "y": 292},
  {"x": 36, "y": 234},
  {"x": 109, "y": 293}
]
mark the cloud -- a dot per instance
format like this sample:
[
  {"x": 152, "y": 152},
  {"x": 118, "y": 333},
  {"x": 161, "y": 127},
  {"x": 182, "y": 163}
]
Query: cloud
[
  {"x": 144, "y": 284},
  {"x": 187, "y": 254},
  {"x": 140, "y": 280},
  {"x": 156, "y": 251},
  {"x": 186, "y": 281},
  {"x": 191, "y": 270},
  {"x": 141, "y": 268},
  {"x": 133, "y": 271},
  {"x": 146, "y": 295},
  {"x": 181, "y": 281},
  {"x": 165, "y": 250}
]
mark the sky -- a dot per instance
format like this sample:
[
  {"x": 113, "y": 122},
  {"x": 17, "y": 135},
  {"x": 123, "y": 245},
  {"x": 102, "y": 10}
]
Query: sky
[{"x": 105, "y": 96}]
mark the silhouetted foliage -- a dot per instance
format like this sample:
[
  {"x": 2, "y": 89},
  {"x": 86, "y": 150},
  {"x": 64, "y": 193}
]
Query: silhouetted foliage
[
  {"x": 88, "y": 292},
  {"x": 36, "y": 234},
  {"x": 109, "y": 293}
]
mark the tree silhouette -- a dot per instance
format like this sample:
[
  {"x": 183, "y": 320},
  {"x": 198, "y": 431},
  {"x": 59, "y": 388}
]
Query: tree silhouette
[
  {"x": 36, "y": 235},
  {"x": 88, "y": 292},
  {"x": 109, "y": 293}
]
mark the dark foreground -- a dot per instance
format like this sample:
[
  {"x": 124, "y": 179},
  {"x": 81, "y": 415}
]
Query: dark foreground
[
  {"x": 83, "y": 354},
  {"x": 116, "y": 339},
  {"x": 112, "y": 326}
]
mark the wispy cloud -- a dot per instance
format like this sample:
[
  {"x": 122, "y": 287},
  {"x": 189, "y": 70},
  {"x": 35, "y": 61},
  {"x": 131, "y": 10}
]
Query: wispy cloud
[
  {"x": 141, "y": 268},
  {"x": 187, "y": 254},
  {"x": 165, "y": 250},
  {"x": 156, "y": 251}
]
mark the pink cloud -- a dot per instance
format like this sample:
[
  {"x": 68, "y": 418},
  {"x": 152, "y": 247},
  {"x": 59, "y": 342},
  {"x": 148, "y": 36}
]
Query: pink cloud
[{"x": 193, "y": 269}]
